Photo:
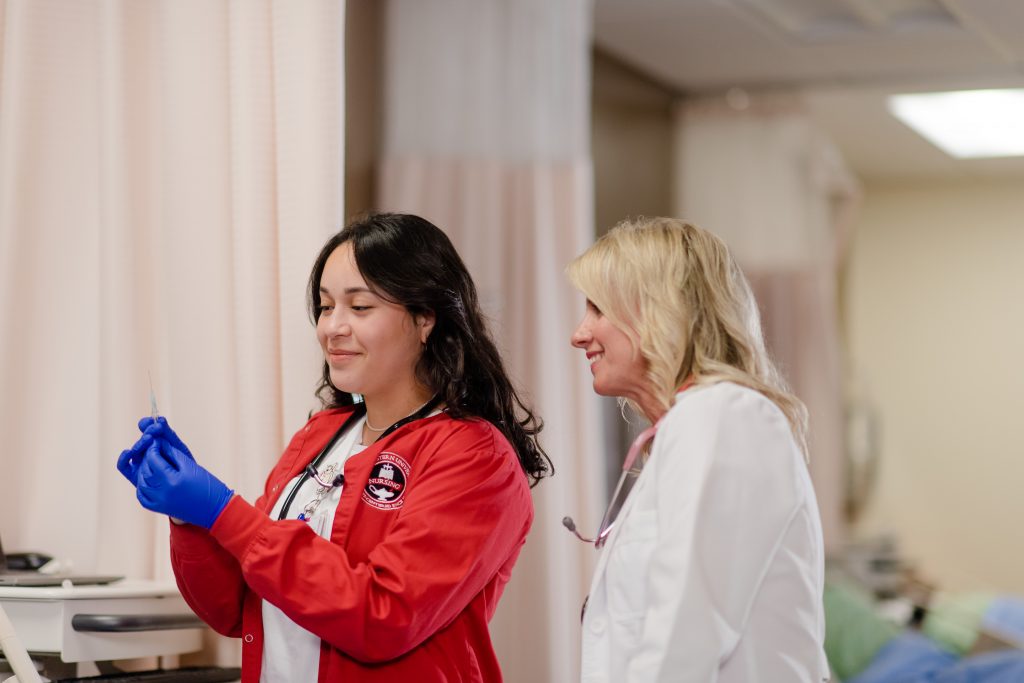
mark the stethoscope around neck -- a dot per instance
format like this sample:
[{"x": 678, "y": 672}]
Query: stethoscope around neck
[
  {"x": 615, "y": 505},
  {"x": 311, "y": 471}
]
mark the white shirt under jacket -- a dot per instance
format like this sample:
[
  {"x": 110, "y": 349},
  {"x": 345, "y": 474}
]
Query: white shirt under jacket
[{"x": 715, "y": 570}]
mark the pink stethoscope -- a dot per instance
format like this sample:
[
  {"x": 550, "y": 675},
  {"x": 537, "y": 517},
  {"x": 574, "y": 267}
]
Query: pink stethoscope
[{"x": 608, "y": 521}]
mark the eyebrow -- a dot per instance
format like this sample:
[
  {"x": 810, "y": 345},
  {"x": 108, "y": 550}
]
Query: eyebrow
[{"x": 349, "y": 290}]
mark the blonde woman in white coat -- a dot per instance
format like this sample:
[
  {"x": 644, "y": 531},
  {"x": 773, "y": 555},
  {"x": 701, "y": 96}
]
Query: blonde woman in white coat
[{"x": 712, "y": 571}]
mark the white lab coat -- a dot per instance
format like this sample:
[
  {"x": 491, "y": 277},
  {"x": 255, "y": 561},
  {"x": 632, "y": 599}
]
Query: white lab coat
[{"x": 715, "y": 570}]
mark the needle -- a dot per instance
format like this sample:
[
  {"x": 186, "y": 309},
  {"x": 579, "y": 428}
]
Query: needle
[{"x": 152, "y": 399}]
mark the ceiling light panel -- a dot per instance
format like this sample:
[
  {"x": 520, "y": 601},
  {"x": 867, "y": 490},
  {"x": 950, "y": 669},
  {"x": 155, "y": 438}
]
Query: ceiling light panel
[{"x": 967, "y": 123}]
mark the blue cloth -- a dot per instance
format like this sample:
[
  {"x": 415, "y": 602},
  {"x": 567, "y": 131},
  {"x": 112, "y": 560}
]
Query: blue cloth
[
  {"x": 1005, "y": 666},
  {"x": 1005, "y": 617},
  {"x": 913, "y": 658},
  {"x": 906, "y": 658}
]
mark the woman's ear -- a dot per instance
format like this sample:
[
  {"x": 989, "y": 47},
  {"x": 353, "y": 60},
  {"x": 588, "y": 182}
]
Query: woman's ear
[{"x": 425, "y": 323}]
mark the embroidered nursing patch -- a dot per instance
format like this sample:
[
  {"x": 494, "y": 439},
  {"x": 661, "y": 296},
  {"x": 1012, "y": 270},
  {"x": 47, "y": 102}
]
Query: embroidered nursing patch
[{"x": 386, "y": 486}]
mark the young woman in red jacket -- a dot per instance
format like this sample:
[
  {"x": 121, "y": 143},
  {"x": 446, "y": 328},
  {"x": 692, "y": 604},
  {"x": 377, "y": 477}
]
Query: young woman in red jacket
[{"x": 389, "y": 527}]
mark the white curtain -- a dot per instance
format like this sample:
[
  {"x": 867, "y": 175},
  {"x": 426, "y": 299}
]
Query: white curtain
[
  {"x": 771, "y": 184},
  {"x": 168, "y": 172},
  {"x": 486, "y": 133}
]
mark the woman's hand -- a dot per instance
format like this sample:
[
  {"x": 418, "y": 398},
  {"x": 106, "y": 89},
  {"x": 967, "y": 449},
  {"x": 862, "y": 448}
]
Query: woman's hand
[
  {"x": 160, "y": 428},
  {"x": 129, "y": 461},
  {"x": 170, "y": 481}
]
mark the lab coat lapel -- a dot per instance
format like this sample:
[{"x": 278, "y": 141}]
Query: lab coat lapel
[{"x": 602, "y": 560}]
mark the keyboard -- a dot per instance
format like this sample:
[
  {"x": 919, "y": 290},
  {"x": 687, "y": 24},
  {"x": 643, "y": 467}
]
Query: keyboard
[{"x": 197, "y": 674}]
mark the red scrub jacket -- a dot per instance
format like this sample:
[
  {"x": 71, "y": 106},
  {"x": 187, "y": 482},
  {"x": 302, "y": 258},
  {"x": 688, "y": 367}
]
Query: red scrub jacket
[{"x": 404, "y": 589}]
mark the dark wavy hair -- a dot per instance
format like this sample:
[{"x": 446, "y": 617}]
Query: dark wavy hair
[{"x": 409, "y": 261}]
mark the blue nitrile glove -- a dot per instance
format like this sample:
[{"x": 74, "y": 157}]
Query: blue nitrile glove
[
  {"x": 128, "y": 462},
  {"x": 173, "y": 483},
  {"x": 160, "y": 428}
]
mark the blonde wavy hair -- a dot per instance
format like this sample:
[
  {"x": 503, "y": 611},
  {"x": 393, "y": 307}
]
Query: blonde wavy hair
[{"x": 676, "y": 291}]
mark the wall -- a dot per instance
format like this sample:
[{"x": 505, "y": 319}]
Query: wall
[
  {"x": 631, "y": 145},
  {"x": 364, "y": 35},
  {"x": 935, "y": 329}
]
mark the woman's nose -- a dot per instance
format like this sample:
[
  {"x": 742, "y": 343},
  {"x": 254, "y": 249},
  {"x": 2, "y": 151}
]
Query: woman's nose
[
  {"x": 581, "y": 337},
  {"x": 335, "y": 324}
]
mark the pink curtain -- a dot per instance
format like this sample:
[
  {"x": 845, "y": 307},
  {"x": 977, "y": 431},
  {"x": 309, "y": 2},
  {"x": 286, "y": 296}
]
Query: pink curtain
[
  {"x": 800, "y": 318},
  {"x": 487, "y": 134},
  {"x": 168, "y": 171}
]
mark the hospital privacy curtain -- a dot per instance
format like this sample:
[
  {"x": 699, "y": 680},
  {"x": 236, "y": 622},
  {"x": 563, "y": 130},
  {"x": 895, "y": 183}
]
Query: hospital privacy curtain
[
  {"x": 486, "y": 133},
  {"x": 168, "y": 171}
]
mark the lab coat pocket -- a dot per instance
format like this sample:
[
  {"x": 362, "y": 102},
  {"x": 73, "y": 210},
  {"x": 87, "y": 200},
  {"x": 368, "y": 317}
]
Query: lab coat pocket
[{"x": 628, "y": 562}]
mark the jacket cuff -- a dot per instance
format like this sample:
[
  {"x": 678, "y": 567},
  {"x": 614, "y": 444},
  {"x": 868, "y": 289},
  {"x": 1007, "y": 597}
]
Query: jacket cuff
[
  {"x": 188, "y": 541},
  {"x": 238, "y": 526}
]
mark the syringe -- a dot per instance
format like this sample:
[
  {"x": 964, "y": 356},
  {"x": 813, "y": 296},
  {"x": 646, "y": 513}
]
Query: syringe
[{"x": 152, "y": 399}]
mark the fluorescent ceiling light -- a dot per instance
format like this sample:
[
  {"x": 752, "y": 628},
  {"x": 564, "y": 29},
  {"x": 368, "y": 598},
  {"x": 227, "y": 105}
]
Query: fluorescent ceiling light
[{"x": 966, "y": 123}]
